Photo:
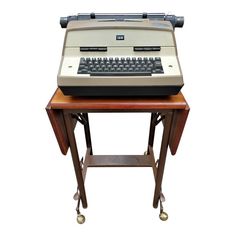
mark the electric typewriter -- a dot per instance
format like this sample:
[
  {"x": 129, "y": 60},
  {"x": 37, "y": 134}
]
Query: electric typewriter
[{"x": 120, "y": 55}]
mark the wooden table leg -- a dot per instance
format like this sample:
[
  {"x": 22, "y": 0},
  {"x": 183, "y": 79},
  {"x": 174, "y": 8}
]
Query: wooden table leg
[
  {"x": 87, "y": 133},
  {"x": 75, "y": 157},
  {"x": 152, "y": 130},
  {"x": 162, "y": 158}
]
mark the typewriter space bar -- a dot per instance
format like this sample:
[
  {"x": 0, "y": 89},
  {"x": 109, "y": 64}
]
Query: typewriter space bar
[{"x": 120, "y": 74}]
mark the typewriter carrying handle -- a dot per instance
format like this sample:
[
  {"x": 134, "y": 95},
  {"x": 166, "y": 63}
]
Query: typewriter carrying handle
[{"x": 176, "y": 21}]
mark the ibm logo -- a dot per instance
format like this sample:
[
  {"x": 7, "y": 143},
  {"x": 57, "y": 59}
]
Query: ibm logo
[{"x": 120, "y": 37}]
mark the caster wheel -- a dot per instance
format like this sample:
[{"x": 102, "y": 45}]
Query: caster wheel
[
  {"x": 145, "y": 153},
  {"x": 80, "y": 219},
  {"x": 163, "y": 216}
]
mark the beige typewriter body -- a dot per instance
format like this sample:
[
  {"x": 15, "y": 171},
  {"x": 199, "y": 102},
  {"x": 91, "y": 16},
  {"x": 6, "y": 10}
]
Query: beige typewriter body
[{"x": 103, "y": 33}]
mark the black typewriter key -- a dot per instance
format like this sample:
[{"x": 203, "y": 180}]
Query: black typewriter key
[
  {"x": 157, "y": 62},
  {"x": 83, "y": 71},
  {"x": 120, "y": 66},
  {"x": 83, "y": 62},
  {"x": 159, "y": 71}
]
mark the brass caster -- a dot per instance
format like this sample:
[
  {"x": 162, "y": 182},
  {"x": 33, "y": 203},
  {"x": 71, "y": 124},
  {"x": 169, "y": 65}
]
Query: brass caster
[
  {"x": 163, "y": 216},
  {"x": 80, "y": 219}
]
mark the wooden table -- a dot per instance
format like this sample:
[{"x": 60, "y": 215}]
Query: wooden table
[{"x": 65, "y": 111}]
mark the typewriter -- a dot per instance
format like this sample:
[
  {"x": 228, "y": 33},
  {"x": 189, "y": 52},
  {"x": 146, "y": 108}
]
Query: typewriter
[{"x": 120, "y": 55}]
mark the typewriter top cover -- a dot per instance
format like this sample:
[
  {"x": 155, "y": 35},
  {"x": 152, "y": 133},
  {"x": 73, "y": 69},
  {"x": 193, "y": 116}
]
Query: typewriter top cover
[{"x": 128, "y": 57}]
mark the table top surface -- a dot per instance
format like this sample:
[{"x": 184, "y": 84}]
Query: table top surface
[{"x": 60, "y": 101}]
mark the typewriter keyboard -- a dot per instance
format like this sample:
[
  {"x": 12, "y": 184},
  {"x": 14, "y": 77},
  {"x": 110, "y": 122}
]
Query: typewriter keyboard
[{"x": 120, "y": 66}]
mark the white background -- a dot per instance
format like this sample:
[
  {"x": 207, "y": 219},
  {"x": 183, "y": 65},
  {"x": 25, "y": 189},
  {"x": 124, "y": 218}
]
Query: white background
[{"x": 37, "y": 182}]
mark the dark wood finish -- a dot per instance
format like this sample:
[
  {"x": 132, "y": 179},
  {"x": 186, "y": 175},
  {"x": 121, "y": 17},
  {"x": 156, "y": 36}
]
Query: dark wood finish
[
  {"x": 59, "y": 101},
  {"x": 75, "y": 157},
  {"x": 85, "y": 164},
  {"x": 151, "y": 153},
  {"x": 87, "y": 133},
  {"x": 177, "y": 128},
  {"x": 119, "y": 161},
  {"x": 151, "y": 131},
  {"x": 58, "y": 125},
  {"x": 162, "y": 157},
  {"x": 84, "y": 172},
  {"x": 64, "y": 110}
]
